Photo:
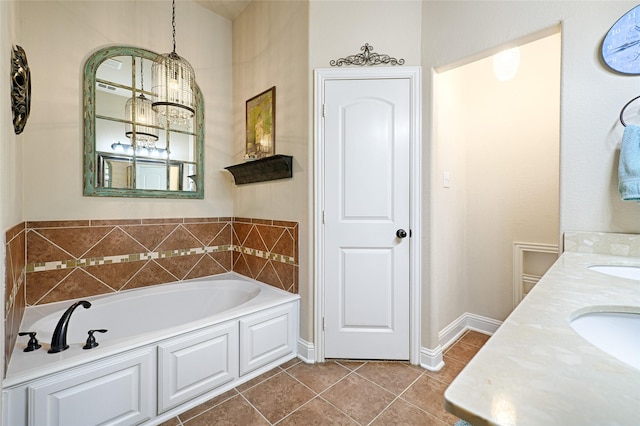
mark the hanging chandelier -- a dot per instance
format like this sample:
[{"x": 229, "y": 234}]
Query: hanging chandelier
[
  {"x": 173, "y": 85},
  {"x": 146, "y": 131}
]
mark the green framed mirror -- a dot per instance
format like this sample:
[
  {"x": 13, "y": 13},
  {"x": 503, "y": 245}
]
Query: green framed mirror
[{"x": 126, "y": 153}]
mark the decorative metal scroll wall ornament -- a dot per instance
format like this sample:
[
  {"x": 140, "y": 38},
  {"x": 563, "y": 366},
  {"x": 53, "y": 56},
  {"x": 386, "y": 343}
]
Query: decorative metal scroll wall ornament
[
  {"x": 368, "y": 57},
  {"x": 20, "y": 89}
]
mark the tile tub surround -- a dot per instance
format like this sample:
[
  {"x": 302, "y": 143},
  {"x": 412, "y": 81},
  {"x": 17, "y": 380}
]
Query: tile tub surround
[
  {"x": 73, "y": 259},
  {"x": 537, "y": 370},
  {"x": 61, "y": 260},
  {"x": 14, "y": 286}
]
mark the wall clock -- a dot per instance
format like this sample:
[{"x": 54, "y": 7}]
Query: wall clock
[{"x": 621, "y": 45}]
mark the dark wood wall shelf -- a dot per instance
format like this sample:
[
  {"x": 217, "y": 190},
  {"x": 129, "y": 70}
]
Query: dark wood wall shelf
[{"x": 264, "y": 169}]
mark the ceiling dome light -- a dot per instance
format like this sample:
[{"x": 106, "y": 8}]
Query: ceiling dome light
[
  {"x": 173, "y": 83},
  {"x": 505, "y": 64}
]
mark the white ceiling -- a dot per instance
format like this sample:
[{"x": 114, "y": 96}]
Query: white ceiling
[{"x": 230, "y": 9}]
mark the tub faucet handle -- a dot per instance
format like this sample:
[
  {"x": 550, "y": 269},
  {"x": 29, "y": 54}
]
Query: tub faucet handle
[
  {"x": 91, "y": 340},
  {"x": 33, "y": 342}
]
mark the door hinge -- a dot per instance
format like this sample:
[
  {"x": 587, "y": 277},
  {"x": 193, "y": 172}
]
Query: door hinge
[
  {"x": 323, "y": 217},
  {"x": 323, "y": 110},
  {"x": 323, "y": 323}
]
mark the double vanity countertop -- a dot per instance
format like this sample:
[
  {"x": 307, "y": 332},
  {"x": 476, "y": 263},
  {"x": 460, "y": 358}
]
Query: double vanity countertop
[{"x": 537, "y": 370}]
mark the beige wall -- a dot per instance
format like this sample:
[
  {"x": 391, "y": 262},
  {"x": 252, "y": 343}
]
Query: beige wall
[
  {"x": 340, "y": 28},
  {"x": 11, "y": 211},
  {"x": 58, "y": 37},
  {"x": 270, "y": 45},
  {"x": 455, "y": 32},
  {"x": 500, "y": 143},
  {"x": 434, "y": 34}
]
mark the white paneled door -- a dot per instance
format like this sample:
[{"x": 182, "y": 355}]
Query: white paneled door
[{"x": 367, "y": 138}]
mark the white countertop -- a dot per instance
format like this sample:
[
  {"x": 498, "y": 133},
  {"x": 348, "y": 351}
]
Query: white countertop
[{"x": 536, "y": 370}]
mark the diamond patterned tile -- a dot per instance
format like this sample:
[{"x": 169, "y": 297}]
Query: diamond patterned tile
[
  {"x": 180, "y": 266},
  {"x": 76, "y": 241},
  {"x": 270, "y": 235},
  {"x": 115, "y": 275},
  {"x": 319, "y": 377},
  {"x": 116, "y": 242},
  {"x": 278, "y": 396},
  {"x": 179, "y": 239},
  {"x": 241, "y": 230},
  {"x": 46, "y": 281},
  {"x": 393, "y": 376},
  {"x": 284, "y": 245},
  {"x": 254, "y": 240},
  {"x": 358, "y": 398},
  {"x": 39, "y": 249},
  {"x": 427, "y": 394},
  {"x": 317, "y": 412},
  {"x": 150, "y": 274},
  {"x": 207, "y": 265},
  {"x": 75, "y": 285},
  {"x": 402, "y": 413},
  {"x": 149, "y": 236},
  {"x": 206, "y": 232},
  {"x": 233, "y": 412}
]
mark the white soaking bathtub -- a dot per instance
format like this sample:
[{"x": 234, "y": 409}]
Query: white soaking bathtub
[{"x": 168, "y": 348}]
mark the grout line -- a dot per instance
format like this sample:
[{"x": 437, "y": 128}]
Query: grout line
[{"x": 254, "y": 407}]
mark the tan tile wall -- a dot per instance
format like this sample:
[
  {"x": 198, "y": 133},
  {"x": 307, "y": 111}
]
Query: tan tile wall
[
  {"x": 74, "y": 259},
  {"x": 14, "y": 286},
  {"x": 267, "y": 250}
]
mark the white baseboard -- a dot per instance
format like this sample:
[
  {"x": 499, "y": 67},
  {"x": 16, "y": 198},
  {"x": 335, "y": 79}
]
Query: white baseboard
[
  {"x": 306, "y": 351},
  {"x": 431, "y": 359},
  {"x": 464, "y": 322}
]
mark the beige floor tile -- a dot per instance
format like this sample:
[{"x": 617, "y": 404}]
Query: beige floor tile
[
  {"x": 358, "y": 398},
  {"x": 256, "y": 380},
  {"x": 452, "y": 367},
  {"x": 319, "y": 376},
  {"x": 474, "y": 338},
  {"x": 207, "y": 405},
  {"x": 393, "y": 376},
  {"x": 351, "y": 365},
  {"x": 278, "y": 396},
  {"x": 317, "y": 412},
  {"x": 462, "y": 352},
  {"x": 171, "y": 422},
  {"x": 401, "y": 413},
  {"x": 233, "y": 412},
  {"x": 427, "y": 393}
]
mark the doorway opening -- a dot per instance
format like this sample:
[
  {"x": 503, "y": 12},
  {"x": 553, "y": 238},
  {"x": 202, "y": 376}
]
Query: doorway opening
[{"x": 496, "y": 175}]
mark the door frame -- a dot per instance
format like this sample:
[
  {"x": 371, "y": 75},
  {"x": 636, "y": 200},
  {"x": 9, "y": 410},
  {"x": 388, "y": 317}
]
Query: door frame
[{"x": 321, "y": 75}]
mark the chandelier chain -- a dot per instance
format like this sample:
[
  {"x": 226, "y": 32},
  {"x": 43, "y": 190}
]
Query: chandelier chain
[
  {"x": 142, "y": 74},
  {"x": 173, "y": 23}
]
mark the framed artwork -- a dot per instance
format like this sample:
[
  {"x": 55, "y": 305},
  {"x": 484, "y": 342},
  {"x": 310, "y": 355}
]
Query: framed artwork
[{"x": 261, "y": 125}]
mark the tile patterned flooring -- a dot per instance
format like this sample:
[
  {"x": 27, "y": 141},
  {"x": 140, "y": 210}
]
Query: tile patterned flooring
[{"x": 339, "y": 392}]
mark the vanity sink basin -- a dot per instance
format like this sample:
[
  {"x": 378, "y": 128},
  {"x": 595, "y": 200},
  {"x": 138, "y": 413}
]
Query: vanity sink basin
[
  {"x": 616, "y": 333},
  {"x": 630, "y": 272}
]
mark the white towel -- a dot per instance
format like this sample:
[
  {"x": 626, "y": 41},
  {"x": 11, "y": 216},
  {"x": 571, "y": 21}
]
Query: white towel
[{"x": 629, "y": 164}]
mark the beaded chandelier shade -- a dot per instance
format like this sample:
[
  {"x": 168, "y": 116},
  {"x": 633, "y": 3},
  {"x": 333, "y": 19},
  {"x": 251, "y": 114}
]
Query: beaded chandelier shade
[
  {"x": 146, "y": 132},
  {"x": 173, "y": 85}
]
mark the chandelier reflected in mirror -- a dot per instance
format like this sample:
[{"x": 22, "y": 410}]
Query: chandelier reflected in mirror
[
  {"x": 138, "y": 110},
  {"x": 173, "y": 85}
]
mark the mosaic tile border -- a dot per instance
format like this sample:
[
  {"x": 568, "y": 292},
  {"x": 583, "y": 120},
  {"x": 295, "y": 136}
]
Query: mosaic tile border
[
  {"x": 139, "y": 257},
  {"x": 12, "y": 297}
]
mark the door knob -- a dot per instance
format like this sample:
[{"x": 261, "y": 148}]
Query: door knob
[{"x": 401, "y": 233}]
